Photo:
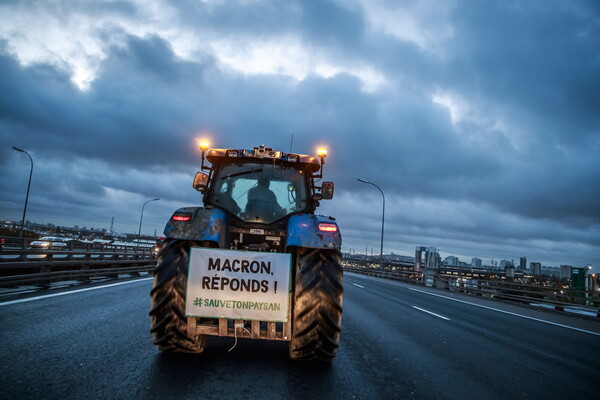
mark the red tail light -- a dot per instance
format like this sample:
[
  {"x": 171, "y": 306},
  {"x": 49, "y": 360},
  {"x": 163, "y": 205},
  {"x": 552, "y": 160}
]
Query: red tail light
[
  {"x": 326, "y": 227},
  {"x": 181, "y": 218}
]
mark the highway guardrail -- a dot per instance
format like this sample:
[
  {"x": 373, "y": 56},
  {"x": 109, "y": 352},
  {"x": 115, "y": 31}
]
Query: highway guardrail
[
  {"x": 22, "y": 265},
  {"x": 557, "y": 298}
]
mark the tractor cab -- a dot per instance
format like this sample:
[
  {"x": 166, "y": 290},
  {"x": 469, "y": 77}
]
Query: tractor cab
[{"x": 261, "y": 185}]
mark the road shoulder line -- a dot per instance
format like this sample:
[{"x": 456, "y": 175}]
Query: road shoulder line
[
  {"x": 432, "y": 313},
  {"x": 8, "y": 303},
  {"x": 505, "y": 312}
]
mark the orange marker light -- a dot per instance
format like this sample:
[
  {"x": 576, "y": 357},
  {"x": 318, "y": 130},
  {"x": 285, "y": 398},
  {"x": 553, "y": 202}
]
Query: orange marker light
[{"x": 322, "y": 152}]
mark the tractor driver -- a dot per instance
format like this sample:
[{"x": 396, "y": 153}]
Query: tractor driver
[
  {"x": 262, "y": 202},
  {"x": 225, "y": 199}
]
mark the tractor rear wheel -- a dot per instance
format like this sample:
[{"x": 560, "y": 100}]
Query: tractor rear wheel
[
  {"x": 317, "y": 305},
  {"x": 167, "y": 312}
]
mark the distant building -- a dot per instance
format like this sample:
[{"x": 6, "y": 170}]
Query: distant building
[
  {"x": 592, "y": 282},
  {"x": 523, "y": 264},
  {"x": 553, "y": 271},
  {"x": 426, "y": 258},
  {"x": 506, "y": 263},
  {"x": 536, "y": 268},
  {"x": 579, "y": 278},
  {"x": 565, "y": 272},
  {"x": 509, "y": 271},
  {"x": 475, "y": 262},
  {"x": 451, "y": 261}
]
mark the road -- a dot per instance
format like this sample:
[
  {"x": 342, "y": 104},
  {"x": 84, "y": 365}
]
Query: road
[{"x": 398, "y": 341}]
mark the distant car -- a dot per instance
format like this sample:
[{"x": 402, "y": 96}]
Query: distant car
[
  {"x": 50, "y": 242},
  {"x": 2, "y": 240},
  {"x": 159, "y": 244}
]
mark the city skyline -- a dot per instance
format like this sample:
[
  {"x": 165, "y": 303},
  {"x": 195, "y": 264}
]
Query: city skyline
[{"x": 370, "y": 254}]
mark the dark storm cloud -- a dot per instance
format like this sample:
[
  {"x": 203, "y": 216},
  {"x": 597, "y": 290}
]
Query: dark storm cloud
[
  {"x": 538, "y": 68},
  {"x": 533, "y": 67},
  {"x": 326, "y": 22},
  {"x": 519, "y": 164},
  {"x": 533, "y": 57},
  {"x": 137, "y": 106}
]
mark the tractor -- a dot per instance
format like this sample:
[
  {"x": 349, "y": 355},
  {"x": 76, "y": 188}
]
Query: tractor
[{"x": 255, "y": 261}]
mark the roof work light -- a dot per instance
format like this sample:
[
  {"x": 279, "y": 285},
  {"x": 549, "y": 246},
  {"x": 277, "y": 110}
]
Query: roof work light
[{"x": 203, "y": 146}]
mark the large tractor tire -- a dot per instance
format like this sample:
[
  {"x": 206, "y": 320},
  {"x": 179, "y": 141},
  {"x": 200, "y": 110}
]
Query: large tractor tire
[
  {"x": 169, "y": 323},
  {"x": 317, "y": 305}
]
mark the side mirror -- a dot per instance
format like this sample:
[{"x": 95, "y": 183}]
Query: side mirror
[
  {"x": 200, "y": 181},
  {"x": 327, "y": 190}
]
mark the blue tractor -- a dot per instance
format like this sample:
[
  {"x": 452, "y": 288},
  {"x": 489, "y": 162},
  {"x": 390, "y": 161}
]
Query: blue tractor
[{"x": 259, "y": 209}]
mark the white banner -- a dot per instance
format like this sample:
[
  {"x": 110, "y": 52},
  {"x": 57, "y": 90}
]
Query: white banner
[{"x": 238, "y": 284}]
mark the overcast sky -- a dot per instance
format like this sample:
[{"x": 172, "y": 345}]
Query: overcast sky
[{"x": 480, "y": 120}]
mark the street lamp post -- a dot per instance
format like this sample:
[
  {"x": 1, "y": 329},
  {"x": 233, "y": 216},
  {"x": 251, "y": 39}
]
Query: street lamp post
[
  {"x": 382, "y": 219},
  {"x": 28, "y": 187},
  {"x": 142, "y": 217}
]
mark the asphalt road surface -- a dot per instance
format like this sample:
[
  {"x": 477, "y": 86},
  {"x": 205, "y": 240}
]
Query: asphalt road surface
[{"x": 398, "y": 341}]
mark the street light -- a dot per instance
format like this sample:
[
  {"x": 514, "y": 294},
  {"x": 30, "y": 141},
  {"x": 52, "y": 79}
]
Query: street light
[
  {"x": 382, "y": 219},
  {"x": 142, "y": 217},
  {"x": 28, "y": 186}
]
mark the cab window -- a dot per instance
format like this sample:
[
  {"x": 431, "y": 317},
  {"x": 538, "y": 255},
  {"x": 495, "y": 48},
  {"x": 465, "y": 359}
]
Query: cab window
[{"x": 260, "y": 193}]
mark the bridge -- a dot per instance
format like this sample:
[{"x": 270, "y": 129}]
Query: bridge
[
  {"x": 20, "y": 264},
  {"x": 400, "y": 339}
]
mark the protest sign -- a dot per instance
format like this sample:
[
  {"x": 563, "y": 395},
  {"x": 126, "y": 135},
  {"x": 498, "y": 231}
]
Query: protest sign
[{"x": 238, "y": 284}]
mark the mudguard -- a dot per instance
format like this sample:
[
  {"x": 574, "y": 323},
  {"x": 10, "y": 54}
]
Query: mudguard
[
  {"x": 205, "y": 224},
  {"x": 303, "y": 231}
]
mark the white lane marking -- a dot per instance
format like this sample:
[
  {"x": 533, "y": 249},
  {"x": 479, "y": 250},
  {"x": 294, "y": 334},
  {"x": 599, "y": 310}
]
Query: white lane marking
[
  {"x": 357, "y": 285},
  {"x": 432, "y": 313},
  {"x": 506, "y": 312},
  {"x": 7, "y": 303}
]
